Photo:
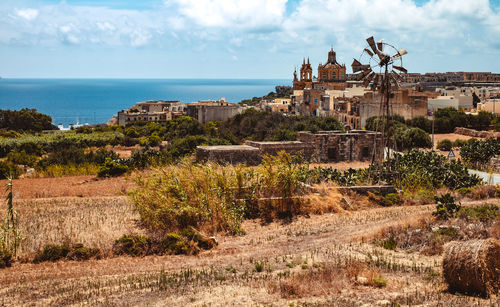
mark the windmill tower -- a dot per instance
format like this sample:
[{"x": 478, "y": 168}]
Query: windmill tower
[{"x": 383, "y": 73}]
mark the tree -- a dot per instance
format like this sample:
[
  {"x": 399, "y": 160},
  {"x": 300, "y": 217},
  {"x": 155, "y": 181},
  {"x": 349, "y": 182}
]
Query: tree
[
  {"x": 284, "y": 91},
  {"x": 28, "y": 120},
  {"x": 475, "y": 99}
]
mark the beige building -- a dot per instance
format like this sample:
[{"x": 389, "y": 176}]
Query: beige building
[
  {"x": 491, "y": 105},
  {"x": 212, "y": 110},
  {"x": 406, "y": 102},
  {"x": 456, "y": 102}
]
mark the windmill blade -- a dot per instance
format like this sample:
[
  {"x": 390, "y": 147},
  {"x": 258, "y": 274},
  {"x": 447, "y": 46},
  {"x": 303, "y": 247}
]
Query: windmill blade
[
  {"x": 357, "y": 66},
  {"x": 365, "y": 73},
  {"x": 368, "y": 51},
  {"x": 371, "y": 43},
  {"x": 397, "y": 76},
  {"x": 399, "y": 54},
  {"x": 400, "y": 68},
  {"x": 368, "y": 79},
  {"x": 380, "y": 45},
  {"x": 393, "y": 78}
]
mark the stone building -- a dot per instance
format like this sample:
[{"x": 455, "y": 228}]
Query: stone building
[
  {"x": 405, "y": 102},
  {"x": 211, "y": 110},
  {"x": 324, "y": 146},
  {"x": 151, "y": 110}
]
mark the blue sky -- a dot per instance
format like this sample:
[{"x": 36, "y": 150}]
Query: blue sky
[{"x": 237, "y": 38}]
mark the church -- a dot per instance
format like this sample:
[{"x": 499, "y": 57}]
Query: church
[{"x": 331, "y": 75}]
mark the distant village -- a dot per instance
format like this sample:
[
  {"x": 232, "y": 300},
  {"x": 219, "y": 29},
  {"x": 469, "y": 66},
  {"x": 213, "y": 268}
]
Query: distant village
[{"x": 335, "y": 93}]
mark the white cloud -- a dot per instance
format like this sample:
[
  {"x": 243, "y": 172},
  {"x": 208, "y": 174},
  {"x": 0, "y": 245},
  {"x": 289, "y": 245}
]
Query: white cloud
[
  {"x": 28, "y": 14},
  {"x": 242, "y": 14},
  {"x": 241, "y": 23}
]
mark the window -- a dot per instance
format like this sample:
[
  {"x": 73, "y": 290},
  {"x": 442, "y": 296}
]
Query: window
[
  {"x": 332, "y": 154},
  {"x": 366, "y": 152},
  {"x": 316, "y": 100},
  {"x": 324, "y": 75}
]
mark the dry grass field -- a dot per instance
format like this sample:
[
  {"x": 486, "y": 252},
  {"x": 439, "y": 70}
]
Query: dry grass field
[
  {"x": 77, "y": 186},
  {"x": 321, "y": 260}
]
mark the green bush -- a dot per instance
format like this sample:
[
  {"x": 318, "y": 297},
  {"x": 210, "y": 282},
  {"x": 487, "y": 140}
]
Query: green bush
[
  {"x": 391, "y": 199},
  {"x": 79, "y": 252},
  {"x": 478, "y": 153},
  {"x": 112, "y": 168},
  {"x": 9, "y": 133},
  {"x": 389, "y": 243},
  {"x": 176, "y": 244},
  {"x": 445, "y": 207},
  {"x": 21, "y": 158},
  {"x": 444, "y": 145},
  {"x": 459, "y": 143},
  {"x": 8, "y": 169},
  {"x": 52, "y": 253},
  {"x": 132, "y": 245},
  {"x": 483, "y": 213}
]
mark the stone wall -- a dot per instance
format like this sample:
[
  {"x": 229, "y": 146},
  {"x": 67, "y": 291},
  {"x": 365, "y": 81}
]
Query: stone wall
[
  {"x": 291, "y": 147},
  {"x": 477, "y": 134},
  {"x": 229, "y": 154}
]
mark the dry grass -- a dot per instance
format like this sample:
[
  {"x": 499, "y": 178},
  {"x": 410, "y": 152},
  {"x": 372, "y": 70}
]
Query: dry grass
[
  {"x": 226, "y": 275},
  {"x": 95, "y": 222},
  {"x": 79, "y": 186},
  {"x": 326, "y": 200}
]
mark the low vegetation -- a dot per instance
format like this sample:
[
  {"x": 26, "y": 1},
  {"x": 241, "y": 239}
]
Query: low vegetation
[
  {"x": 478, "y": 153},
  {"x": 216, "y": 198}
]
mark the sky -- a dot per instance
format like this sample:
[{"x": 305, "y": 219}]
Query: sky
[{"x": 238, "y": 38}]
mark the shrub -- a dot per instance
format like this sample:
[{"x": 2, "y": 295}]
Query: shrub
[
  {"x": 389, "y": 243},
  {"x": 5, "y": 258},
  {"x": 21, "y": 158},
  {"x": 259, "y": 267},
  {"x": 8, "y": 169},
  {"x": 59, "y": 170},
  {"x": 379, "y": 282},
  {"x": 445, "y": 207},
  {"x": 459, "y": 143},
  {"x": 444, "y": 145},
  {"x": 132, "y": 245},
  {"x": 483, "y": 213},
  {"x": 79, "y": 252},
  {"x": 52, "y": 253},
  {"x": 174, "y": 244},
  {"x": 9, "y": 133},
  {"x": 479, "y": 153},
  {"x": 112, "y": 168}
]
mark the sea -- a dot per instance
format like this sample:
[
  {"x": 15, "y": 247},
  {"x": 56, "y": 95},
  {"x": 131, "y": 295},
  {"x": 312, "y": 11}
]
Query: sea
[{"x": 95, "y": 101}]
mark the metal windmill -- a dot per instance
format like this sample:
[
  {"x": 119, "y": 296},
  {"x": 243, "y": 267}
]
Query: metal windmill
[{"x": 383, "y": 72}]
